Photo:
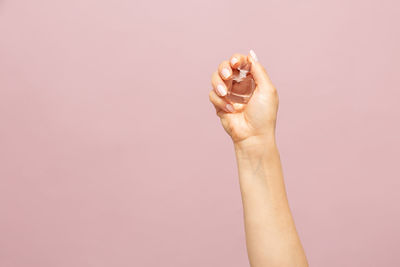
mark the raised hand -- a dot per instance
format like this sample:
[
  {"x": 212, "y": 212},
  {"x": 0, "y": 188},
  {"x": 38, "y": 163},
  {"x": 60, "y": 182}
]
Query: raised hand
[{"x": 244, "y": 121}]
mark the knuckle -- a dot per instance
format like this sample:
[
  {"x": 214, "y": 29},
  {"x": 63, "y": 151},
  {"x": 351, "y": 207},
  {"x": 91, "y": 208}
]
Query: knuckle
[
  {"x": 210, "y": 96},
  {"x": 214, "y": 77},
  {"x": 223, "y": 64}
]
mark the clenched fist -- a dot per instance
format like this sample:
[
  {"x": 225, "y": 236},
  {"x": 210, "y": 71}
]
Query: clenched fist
[{"x": 255, "y": 119}]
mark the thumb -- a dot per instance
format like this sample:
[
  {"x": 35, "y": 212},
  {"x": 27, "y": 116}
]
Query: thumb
[{"x": 258, "y": 71}]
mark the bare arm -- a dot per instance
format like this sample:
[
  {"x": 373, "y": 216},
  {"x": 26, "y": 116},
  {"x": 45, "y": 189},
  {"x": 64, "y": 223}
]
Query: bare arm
[{"x": 271, "y": 235}]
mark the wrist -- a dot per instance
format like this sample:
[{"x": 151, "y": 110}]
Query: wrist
[{"x": 255, "y": 144}]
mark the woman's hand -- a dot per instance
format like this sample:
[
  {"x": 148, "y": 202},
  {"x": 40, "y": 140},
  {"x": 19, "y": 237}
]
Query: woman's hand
[{"x": 255, "y": 119}]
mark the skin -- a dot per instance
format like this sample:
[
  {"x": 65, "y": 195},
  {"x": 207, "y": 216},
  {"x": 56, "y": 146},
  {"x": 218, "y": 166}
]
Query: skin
[{"x": 271, "y": 235}]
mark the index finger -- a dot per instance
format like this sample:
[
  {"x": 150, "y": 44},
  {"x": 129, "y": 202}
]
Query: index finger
[{"x": 238, "y": 61}]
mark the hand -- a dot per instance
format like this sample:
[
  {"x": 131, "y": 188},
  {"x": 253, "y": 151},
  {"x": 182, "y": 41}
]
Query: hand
[{"x": 257, "y": 118}]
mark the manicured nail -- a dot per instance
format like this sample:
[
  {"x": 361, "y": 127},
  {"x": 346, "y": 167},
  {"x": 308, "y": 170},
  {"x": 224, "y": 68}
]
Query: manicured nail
[
  {"x": 234, "y": 61},
  {"x": 226, "y": 73},
  {"x": 253, "y": 55},
  {"x": 221, "y": 90},
  {"x": 229, "y": 107}
]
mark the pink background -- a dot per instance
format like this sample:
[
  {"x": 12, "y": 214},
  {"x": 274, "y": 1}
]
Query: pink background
[{"x": 111, "y": 154}]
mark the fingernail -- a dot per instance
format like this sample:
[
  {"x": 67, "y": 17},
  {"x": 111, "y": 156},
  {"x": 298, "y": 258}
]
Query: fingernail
[
  {"x": 229, "y": 107},
  {"x": 226, "y": 73},
  {"x": 221, "y": 90},
  {"x": 253, "y": 55},
  {"x": 234, "y": 61}
]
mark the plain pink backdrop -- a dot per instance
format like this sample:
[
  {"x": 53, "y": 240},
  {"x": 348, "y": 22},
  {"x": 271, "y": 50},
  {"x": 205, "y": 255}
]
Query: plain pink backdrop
[{"x": 111, "y": 154}]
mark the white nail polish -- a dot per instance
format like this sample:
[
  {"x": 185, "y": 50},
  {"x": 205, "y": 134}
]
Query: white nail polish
[
  {"x": 253, "y": 55},
  {"x": 221, "y": 90},
  {"x": 226, "y": 73},
  {"x": 230, "y": 108},
  {"x": 234, "y": 61}
]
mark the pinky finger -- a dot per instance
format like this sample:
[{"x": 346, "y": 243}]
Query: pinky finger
[{"x": 219, "y": 103}]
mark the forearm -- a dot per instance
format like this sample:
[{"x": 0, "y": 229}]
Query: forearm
[{"x": 271, "y": 235}]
